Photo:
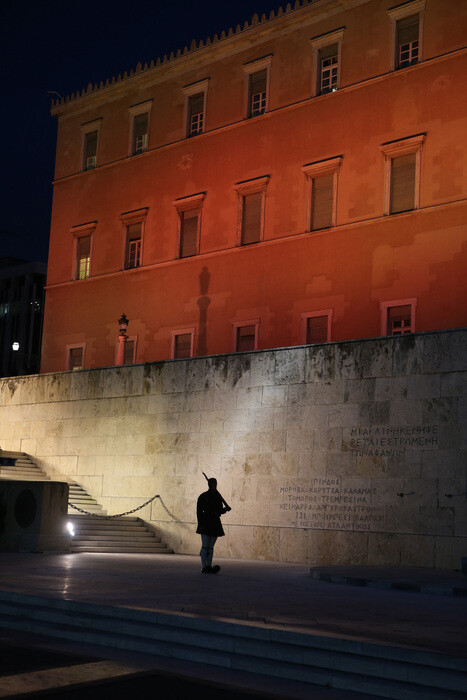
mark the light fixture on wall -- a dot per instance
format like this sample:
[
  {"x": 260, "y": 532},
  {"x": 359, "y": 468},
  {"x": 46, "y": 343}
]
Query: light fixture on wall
[
  {"x": 121, "y": 339},
  {"x": 123, "y": 324},
  {"x": 15, "y": 346}
]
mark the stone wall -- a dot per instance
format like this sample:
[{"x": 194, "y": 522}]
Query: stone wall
[{"x": 339, "y": 453}]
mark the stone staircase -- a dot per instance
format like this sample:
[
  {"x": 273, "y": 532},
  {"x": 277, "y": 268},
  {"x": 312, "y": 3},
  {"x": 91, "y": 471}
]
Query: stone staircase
[
  {"x": 368, "y": 669},
  {"x": 92, "y": 533}
]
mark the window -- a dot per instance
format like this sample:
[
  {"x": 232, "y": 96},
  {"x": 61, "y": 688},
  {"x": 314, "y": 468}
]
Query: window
[
  {"x": 129, "y": 354},
  {"x": 133, "y": 246},
  {"x": 252, "y": 199},
  {"x": 83, "y": 257},
  {"x": 189, "y": 224},
  {"x": 140, "y": 133},
  {"x": 321, "y": 198},
  {"x": 195, "y": 107},
  {"x": 245, "y": 336},
  {"x": 398, "y": 317},
  {"x": 402, "y": 174},
  {"x": 133, "y": 223},
  {"x": 188, "y": 232},
  {"x": 406, "y": 33},
  {"x": 139, "y": 127},
  {"x": 257, "y": 75},
  {"x": 183, "y": 343},
  {"x": 327, "y": 62},
  {"x": 75, "y": 357},
  {"x": 90, "y": 143},
  {"x": 196, "y": 114},
  {"x": 316, "y": 327}
]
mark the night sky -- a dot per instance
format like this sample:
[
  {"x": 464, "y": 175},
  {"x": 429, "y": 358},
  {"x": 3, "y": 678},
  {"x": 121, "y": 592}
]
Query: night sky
[{"x": 62, "y": 45}]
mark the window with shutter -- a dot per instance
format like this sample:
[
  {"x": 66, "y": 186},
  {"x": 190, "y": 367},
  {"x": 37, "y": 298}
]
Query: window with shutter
[
  {"x": 83, "y": 257},
  {"x": 182, "y": 345},
  {"x": 140, "y": 132},
  {"x": 196, "y": 114},
  {"x": 316, "y": 329},
  {"x": 322, "y": 201},
  {"x": 246, "y": 338},
  {"x": 133, "y": 246},
  {"x": 189, "y": 232},
  {"x": 75, "y": 358},
  {"x": 328, "y": 69},
  {"x": 402, "y": 197},
  {"x": 257, "y": 93},
  {"x": 399, "y": 320},
  {"x": 407, "y": 41},
  {"x": 90, "y": 150},
  {"x": 251, "y": 218},
  {"x": 129, "y": 352}
]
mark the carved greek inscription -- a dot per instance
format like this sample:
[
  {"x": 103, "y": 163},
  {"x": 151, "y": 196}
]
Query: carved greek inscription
[
  {"x": 390, "y": 441},
  {"x": 327, "y": 504}
]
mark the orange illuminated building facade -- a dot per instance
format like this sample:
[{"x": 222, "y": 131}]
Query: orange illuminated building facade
[{"x": 300, "y": 179}]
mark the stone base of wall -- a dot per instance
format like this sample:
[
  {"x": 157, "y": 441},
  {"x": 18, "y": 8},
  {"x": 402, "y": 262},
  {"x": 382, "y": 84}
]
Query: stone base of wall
[{"x": 344, "y": 453}]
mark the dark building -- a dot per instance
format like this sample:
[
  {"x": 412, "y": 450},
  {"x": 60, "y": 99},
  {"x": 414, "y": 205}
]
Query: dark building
[{"x": 21, "y": 313}]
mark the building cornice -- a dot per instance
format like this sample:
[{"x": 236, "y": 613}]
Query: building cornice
[{"x": 202, "y": 53}]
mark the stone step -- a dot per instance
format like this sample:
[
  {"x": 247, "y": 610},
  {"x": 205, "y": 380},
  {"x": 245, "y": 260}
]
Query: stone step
[
  {"x": 378, "y": 669},
  {"x": 115, "y": 537},
  {"x": 119, "y": 519},
  {"x": 119, "y": 549}
]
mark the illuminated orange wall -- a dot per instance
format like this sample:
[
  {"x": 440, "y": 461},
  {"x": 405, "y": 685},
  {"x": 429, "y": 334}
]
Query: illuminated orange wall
[{"x": 366, "y": 259}]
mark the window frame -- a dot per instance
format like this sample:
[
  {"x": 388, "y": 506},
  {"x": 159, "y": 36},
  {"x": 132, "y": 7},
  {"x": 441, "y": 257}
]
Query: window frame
[
  {"x": 402, "y": 147},
  {"x": 248, "y": 70},
  {"x": 321, "y": 42},
  {"x": 200, "y": 87},
  {"x": 88, "y": 128},
  {"x": 255, "y": 186},
  {"x": 73, "y": 346},
  {"x": 313, "y": 314},
  {"x": 386, "y": 305},
  {"x": 82, "y": 231},
  {"x": 182, "y": 204},
  {"x": 240, "y": 324},
  {"x": 138, "y": 216},
  {"x": 414, "y": 7},
  {"x": 135, "y": 111},
  {"x": 182, "y": 331},
  {"x": 314, "y": 170}
]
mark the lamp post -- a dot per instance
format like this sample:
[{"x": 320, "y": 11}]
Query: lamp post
[{"x": 122, "y": 338}]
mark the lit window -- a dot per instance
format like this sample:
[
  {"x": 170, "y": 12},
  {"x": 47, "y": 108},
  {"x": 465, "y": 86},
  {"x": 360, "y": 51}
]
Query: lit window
[
  {"x": 133, "y": 246},
  {"x": 75, "y": 357},
  {"x": 195, "y": 107},
  {"x": 90, "y": 150},
  {"x": 402, "y": 181},
  {"x": 321, "y": 205},
  {"x": 328, "y": 69},
  {"x": 252, "y": 202},
  {"x": 398, "y": 317},
  {"x": 140, "y": 132},
  {"x": 196, "y": 114},
  {"x": 257, "y": 93},
  {"x": 327, "y": 50},
  {"x": 189, "y": 224},
  {"x": 406, "y": 32},
  {"x": 245, "y": 336},
  {"x": 140, "y": 115},
  {"x": 183, "y": 343},
  {"x": 133, "y": 223},
  {"x": 257, "y": 76},
  {"x": 83, "y": 257}
]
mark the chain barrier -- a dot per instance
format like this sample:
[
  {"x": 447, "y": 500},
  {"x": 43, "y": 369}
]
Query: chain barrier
[{"x": 128, "y": 512}]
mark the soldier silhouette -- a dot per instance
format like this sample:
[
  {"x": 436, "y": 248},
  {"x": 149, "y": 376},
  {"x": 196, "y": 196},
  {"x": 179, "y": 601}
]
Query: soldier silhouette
[{"x": 209, "y": 509}]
